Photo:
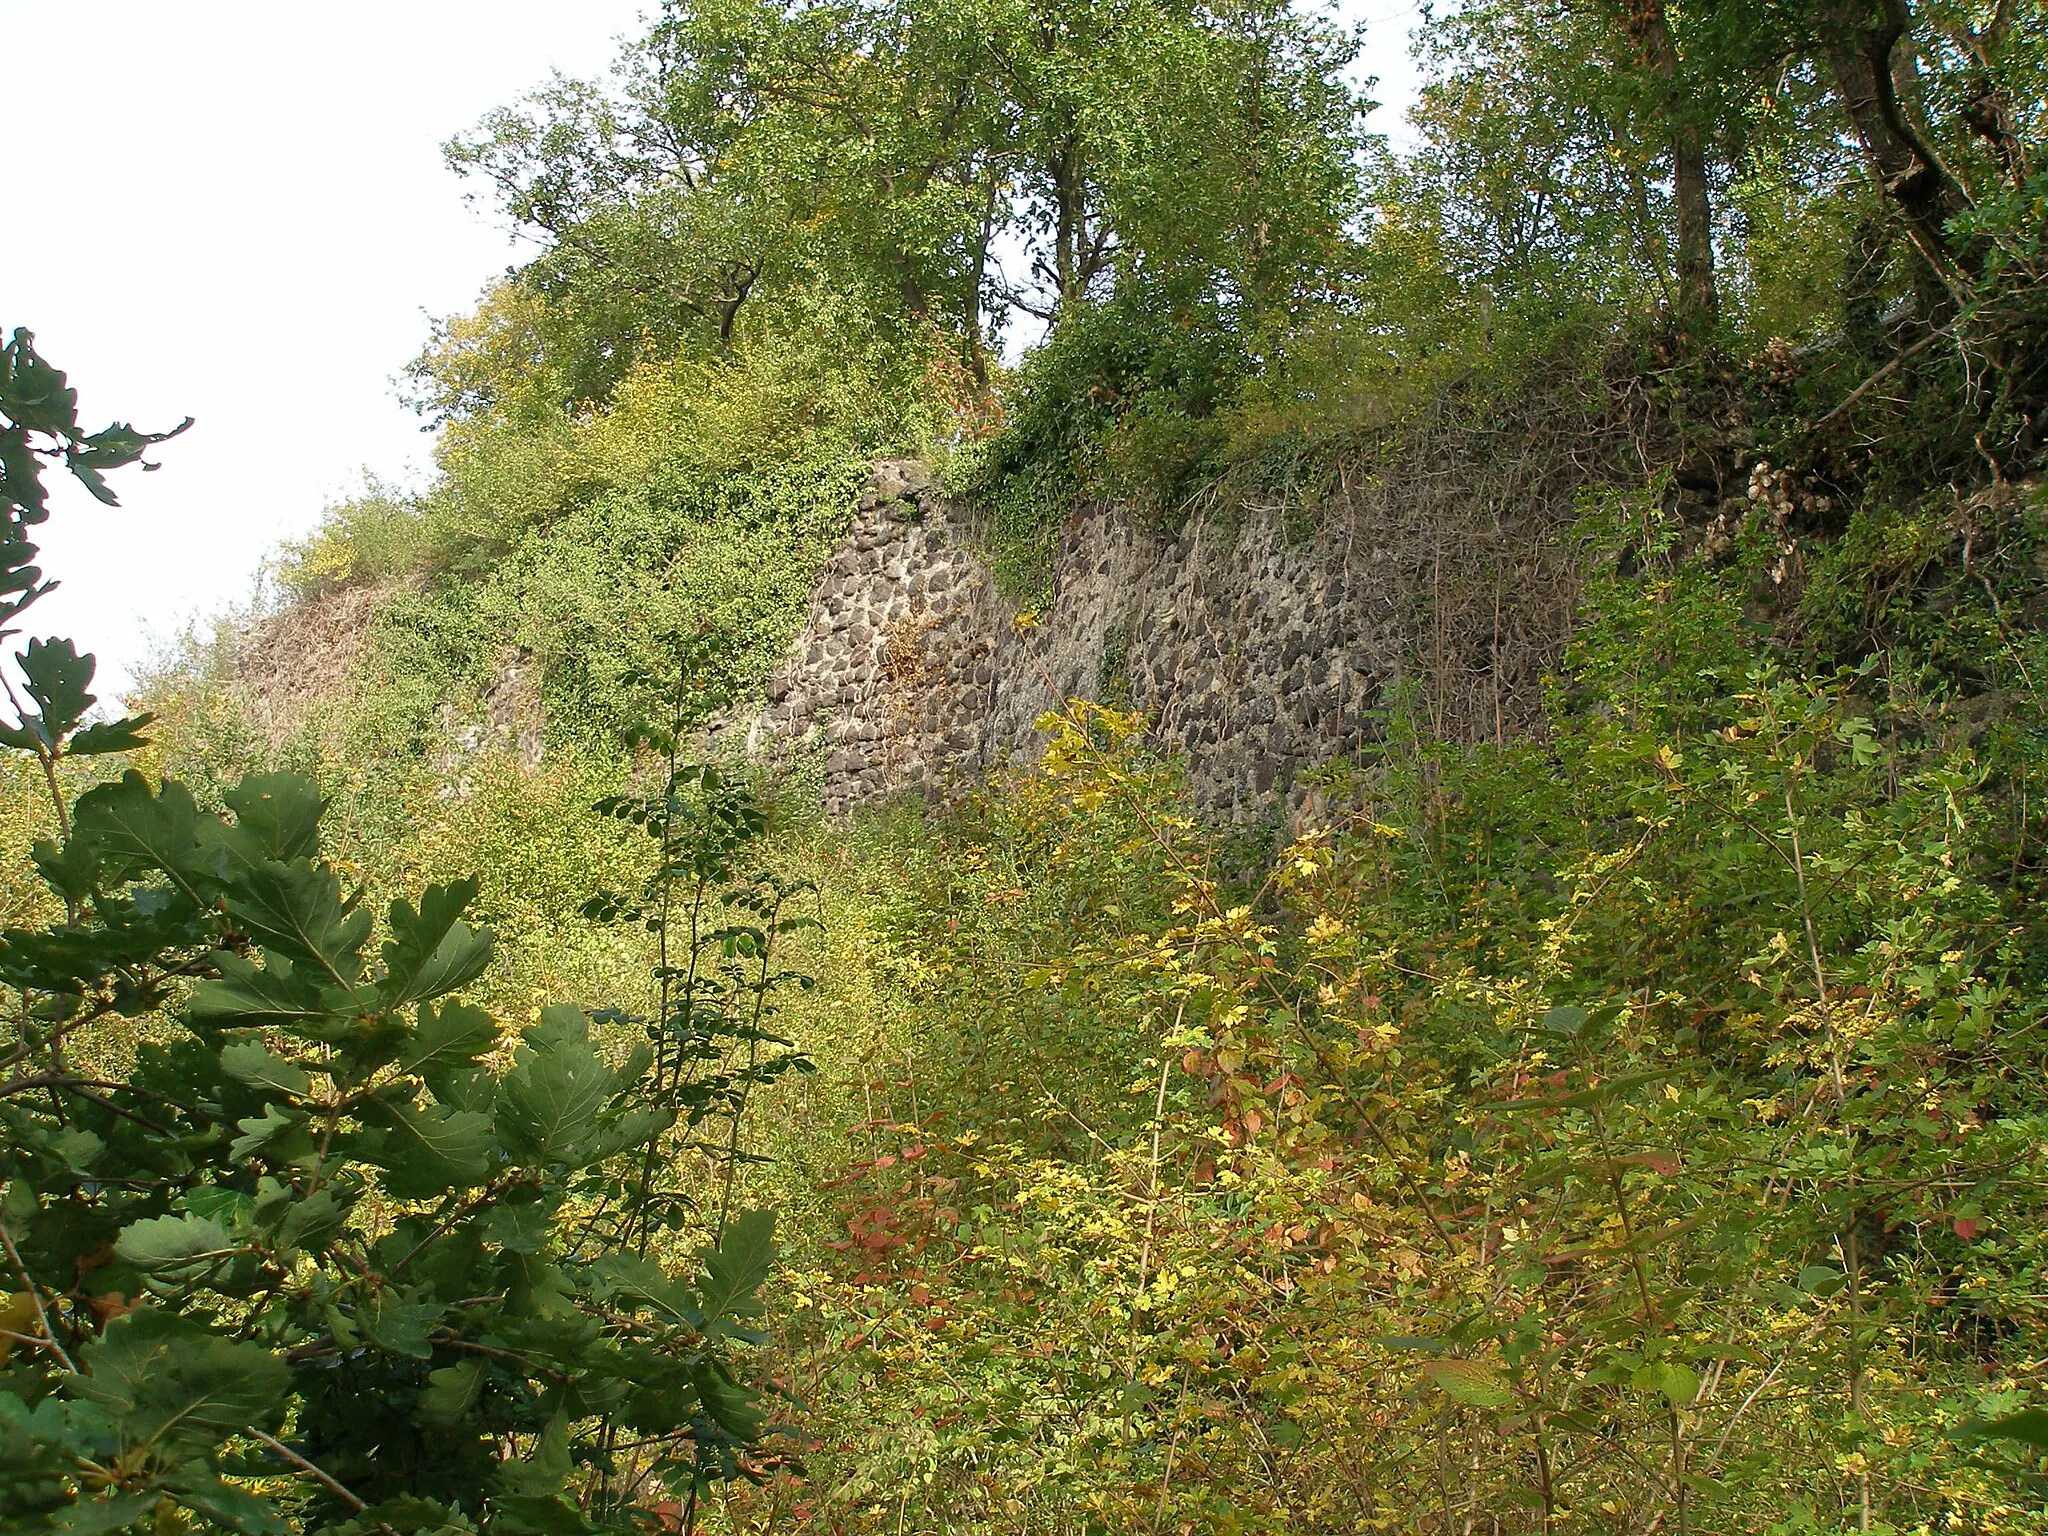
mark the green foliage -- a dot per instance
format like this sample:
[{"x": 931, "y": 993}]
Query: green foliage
[
  {"x": 590, "y": 598},
  {"x": 746, "y": 151},
  {"x": 1633, "y": 1127},
  {"x": 705, "y": 491},
  {"x": 39, "y": 421},
  {"x": 370, "y": 538},
  {"x": 1544, "y": 189},
  {"x": 331, "y": 1254},
  {"x": 41, "y": 412},
  {"x": 719, "y": 929},
  {"x": 777, "y": 232},
  {"x": 809, "y": 387},
  {"x": 1117, "y": 402},
  {"x": 1639, "y": 1125}
]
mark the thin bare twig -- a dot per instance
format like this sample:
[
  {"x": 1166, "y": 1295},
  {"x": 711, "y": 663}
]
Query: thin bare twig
[
  {"x": 36, "y": 1296},
  {"x": 1883, "y": 373},
  {"x": 325, "y": 1478}
]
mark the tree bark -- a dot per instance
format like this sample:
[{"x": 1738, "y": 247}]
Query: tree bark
[
  {"x": 1698, "y": 296},
  {"x": 1071, "y": 229},
  {"x": 977, "y": 274},
  {"x": 1858, "y": 39}
]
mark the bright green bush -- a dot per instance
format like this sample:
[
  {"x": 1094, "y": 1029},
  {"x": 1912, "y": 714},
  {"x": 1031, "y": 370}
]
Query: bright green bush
[
  {"x": 373, "y": 537},
  {"x": 807, "y": 386}
]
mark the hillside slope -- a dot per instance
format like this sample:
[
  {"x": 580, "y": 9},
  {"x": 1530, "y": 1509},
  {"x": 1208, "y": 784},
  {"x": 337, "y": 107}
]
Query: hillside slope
[{"x": 1396, "y": 885}]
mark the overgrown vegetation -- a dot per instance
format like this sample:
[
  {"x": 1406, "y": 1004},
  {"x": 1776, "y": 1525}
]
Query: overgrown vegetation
[
  {"x": 1610, "y": 1102},
  {"x": 1640, "y": 1128}
]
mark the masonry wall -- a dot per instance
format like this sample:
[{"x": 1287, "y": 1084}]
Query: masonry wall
[{"x": 1255, "y": 653}]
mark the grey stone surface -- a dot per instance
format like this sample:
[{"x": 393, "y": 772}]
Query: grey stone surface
[{"x": 1253, "y": 653}]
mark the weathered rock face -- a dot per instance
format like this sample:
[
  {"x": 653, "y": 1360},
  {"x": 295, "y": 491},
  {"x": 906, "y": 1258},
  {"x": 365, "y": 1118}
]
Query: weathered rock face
[
  {"x": 507, "y": 718},
  {"x": 895, "y": 676},
  {"x": 1253, "y": 653}
]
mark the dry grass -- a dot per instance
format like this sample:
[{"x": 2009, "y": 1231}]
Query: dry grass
[{"x": 284, "y": 666}]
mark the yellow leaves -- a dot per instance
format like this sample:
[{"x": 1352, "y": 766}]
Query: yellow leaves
[
  {"x": 1325, "y": 929},
  {"x": 1470, "y": 1382},
  {"x": 17, "y": 1316}
]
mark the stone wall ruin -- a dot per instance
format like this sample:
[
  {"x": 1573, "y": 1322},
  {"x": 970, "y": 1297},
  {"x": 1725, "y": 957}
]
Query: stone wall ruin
[{"x": 1255, "y": 650}]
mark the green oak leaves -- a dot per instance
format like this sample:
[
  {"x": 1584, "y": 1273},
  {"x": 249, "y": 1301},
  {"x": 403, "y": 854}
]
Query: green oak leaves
[
  {"x": 314, "y": 1244},
  {"x": 329, "y": 1197}
]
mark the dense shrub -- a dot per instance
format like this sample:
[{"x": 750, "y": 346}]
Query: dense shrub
[{"x": 1638, "y": 1128}]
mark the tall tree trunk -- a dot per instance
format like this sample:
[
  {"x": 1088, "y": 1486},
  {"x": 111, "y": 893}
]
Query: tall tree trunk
[
  {"x": 1858, "y": 39},
  {"x": 1699, "y": 299},
  {"x": 1072, "y": 233},
  {"x": 977, "y": 273}
]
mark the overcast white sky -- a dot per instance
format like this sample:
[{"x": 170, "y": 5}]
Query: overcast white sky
[{"x": 245, "y": 219}]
